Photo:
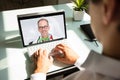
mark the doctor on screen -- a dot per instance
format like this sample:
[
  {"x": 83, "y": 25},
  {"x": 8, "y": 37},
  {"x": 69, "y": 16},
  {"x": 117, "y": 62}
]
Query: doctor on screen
[{"x": 43, "y": 28}]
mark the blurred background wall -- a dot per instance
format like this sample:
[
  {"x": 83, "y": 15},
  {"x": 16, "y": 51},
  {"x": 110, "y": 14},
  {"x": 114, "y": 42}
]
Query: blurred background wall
[{"x": 19, "y": 4}]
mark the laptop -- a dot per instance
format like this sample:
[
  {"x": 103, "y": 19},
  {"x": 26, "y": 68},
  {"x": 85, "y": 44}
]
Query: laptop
[
  {"x": 29, "y": 31},
  {"x": 32, "y": 31}
]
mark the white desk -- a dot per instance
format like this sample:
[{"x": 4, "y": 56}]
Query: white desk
[{"x": 14, "y": 62}]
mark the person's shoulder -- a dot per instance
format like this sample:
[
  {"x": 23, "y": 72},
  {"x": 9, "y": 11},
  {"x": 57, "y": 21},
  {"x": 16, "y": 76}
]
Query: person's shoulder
[{"x": 83, "y": 75}]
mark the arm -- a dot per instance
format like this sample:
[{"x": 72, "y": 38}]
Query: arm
[
  {"x": 43, "y": 63},
  {"x": 70, "y": 57}
]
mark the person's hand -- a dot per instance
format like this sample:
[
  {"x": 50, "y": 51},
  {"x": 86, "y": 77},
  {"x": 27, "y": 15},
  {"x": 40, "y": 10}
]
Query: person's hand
[
  {"x": 70, "y": 56},
  {"x": 42, "y": 61}
]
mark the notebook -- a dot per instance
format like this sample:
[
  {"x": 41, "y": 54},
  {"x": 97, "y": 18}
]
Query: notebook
[{"x": 35, "y": 27}]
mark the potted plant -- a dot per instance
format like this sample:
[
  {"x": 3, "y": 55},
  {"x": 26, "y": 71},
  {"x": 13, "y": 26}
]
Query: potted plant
[{"x": 79, "y": 9}]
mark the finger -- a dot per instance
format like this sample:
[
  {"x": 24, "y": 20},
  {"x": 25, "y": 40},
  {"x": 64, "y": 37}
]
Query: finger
[
  {"x": 61, "y": 51},
  {"x": 40, "y": 52},
  {"x": 51, "y": 58},
  {"x": 60, "y": 58},
  {"x": 59, "y": 48},
  {"x": 62, "y": 45},
  {"x": 45, "y": 53},
  {"x": 34, "y": 56}
]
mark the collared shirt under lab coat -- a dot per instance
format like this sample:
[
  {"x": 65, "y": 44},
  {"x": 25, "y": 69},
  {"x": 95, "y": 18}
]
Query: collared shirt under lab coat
[{"x": 97, "y": 67}]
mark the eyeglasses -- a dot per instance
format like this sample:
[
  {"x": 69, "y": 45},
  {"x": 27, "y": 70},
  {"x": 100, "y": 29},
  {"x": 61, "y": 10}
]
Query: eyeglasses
[{"x": 43, "y": 27}]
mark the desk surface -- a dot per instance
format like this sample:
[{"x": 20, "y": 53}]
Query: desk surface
[{"x": 14, "y": 62}]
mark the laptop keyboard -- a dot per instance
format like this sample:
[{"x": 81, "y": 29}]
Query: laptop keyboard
[{"x": 47, "y": 46}]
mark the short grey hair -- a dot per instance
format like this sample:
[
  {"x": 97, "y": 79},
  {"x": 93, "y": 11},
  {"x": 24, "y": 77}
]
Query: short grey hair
[{"x": 43, "y": 19}]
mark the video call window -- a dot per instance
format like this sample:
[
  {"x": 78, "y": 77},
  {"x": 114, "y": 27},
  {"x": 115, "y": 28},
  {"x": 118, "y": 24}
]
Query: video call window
[{"x": 42, "y": 29}]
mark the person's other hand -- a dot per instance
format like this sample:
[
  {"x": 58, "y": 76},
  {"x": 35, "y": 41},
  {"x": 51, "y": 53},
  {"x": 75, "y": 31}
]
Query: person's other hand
[
  {"x": 70, "y": 56},
  {"x": 42, "y": 61}
]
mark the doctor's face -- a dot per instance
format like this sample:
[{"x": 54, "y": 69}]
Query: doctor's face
[{"x": 43, "y": 28}]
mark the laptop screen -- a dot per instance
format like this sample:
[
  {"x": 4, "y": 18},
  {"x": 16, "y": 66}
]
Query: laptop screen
[{"x": 42, "y": 28}]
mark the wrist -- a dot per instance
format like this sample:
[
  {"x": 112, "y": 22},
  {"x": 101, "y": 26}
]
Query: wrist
[
  {"x": 40, "y": 71},
  {"x": 38, "y": 76},
  {"x": 75, "y": 59}
]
